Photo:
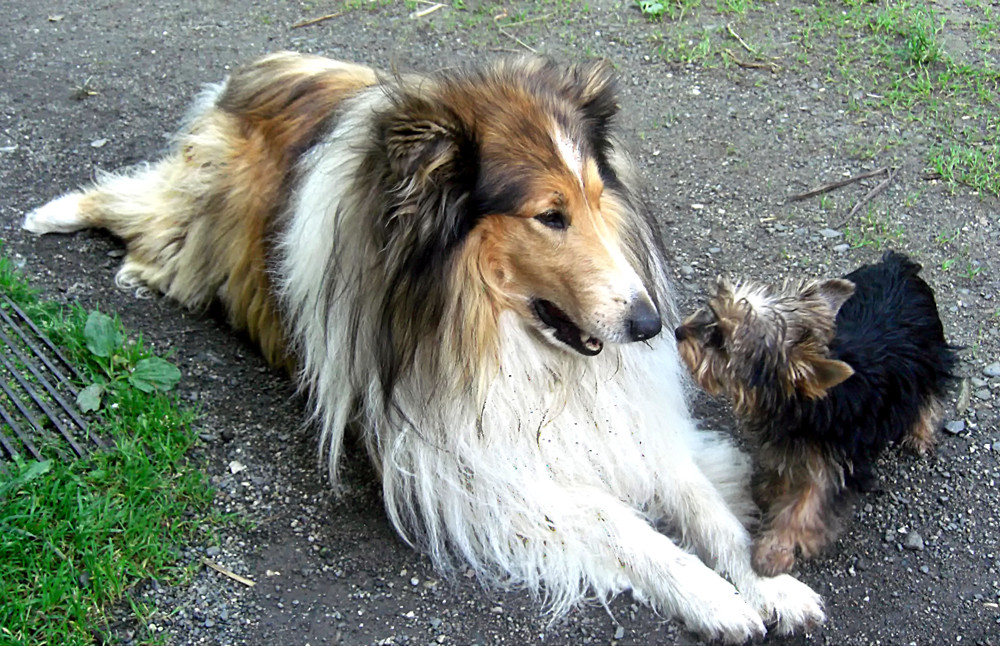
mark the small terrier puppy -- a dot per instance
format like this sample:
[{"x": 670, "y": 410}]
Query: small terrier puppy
[{"x": 824, "y": 374}]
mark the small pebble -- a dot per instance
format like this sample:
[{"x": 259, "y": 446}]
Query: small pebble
[
  {"x": 619, "y": 632},
  {"x": 842, "y": 248},
  {"x": 992, "y": 370},
  {"x": 955, "y": 426},
  {"x": 98, "y": 143},
  {"x": 983, "y": 393},
  {"x": 830, "y": 233},
  {"x": 914, "y": 542}
]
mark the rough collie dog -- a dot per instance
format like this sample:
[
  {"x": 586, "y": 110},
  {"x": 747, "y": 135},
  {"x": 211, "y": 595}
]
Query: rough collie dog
[{"x": 458, "y": 265}]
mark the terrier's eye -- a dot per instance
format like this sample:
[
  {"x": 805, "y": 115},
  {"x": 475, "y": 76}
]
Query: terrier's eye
[
  {"x": 716, "y": 339},
  {"x": 553, "y": 219}
]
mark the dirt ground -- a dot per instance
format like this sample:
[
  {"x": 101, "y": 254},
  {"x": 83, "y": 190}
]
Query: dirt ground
[{"x": 100, "y": 85}]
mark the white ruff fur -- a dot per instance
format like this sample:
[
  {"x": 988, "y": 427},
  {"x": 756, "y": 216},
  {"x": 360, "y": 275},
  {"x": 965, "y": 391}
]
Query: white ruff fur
[{"x": 552, "y": 471}]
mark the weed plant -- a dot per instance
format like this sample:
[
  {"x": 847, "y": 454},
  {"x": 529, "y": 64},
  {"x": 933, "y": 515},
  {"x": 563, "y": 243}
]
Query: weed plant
[{"x": 75, "y": 535}]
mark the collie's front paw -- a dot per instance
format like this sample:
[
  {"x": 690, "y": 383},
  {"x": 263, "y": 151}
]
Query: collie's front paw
[
  {"x": 788, "y": 604},
  {"x": 61, "y": 215},
  {"x": 717, "y": 612}
]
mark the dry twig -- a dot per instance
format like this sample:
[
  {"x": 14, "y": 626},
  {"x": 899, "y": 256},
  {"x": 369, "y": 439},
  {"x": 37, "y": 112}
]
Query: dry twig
[
  {"x": 316, "y": 20},
  {"x": 232, "y": 575},
  {"x": 826, "y": 188},
  {"x": 496, "y": 21},
  {"x": 429, "y": 10},
  {"x": 753, "y": 65},
  {"x": 732, "y": 32},
  {"x": 528, "y": 21},
  {"x": 868, "y": 197}
]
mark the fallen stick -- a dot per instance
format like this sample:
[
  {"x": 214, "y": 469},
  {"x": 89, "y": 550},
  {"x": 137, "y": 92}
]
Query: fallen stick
[
  {"x": 732, "y": 32},
  {"x": 316, "y": 20},
  {"x": 835, "y": 185},
  {"x": 868, "y": 198},
  {"x": 506, "y": 33},
  {"x": 426, "y": 12},
  {"x": 753, "y": 65},
  {"x": 232, "y": 575}
]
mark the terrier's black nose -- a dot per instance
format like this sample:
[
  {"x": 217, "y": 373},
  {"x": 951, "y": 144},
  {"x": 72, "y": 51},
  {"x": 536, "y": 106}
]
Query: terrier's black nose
[
  {"x": 682, "y": 333},
  {"x": 644, "y": 321}
]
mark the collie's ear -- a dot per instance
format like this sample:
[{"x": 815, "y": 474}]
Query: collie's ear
[
  {"x": 593, "y": 86},
  {"x": 419, "y": 143}
]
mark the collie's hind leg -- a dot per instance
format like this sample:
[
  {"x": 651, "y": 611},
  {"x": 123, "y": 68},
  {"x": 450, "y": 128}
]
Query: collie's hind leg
[
  {"x": 62, "y": 215},
  {"x": 152, "y": 209}
]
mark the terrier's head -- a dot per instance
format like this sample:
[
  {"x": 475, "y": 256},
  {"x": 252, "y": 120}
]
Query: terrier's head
[{"x": 760, "y": 345}]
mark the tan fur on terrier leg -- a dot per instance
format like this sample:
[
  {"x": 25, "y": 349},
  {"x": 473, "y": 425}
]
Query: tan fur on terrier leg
[
  {"x": 922, "y": 438},
  {"x": 798, "y": 517}
]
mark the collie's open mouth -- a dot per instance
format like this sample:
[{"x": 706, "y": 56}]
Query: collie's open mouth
[{"x": 565, "y": 329}]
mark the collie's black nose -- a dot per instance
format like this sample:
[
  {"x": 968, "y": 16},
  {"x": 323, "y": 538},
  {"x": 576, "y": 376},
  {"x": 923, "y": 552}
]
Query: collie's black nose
[{"x": 644, "y": 321}]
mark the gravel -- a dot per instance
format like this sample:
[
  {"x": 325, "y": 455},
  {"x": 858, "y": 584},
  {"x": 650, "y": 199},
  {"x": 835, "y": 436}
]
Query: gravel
[{"x": 328, "y": 569}]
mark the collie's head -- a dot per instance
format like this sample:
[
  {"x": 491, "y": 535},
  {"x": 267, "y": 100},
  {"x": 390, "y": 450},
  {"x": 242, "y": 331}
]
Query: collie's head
[{"x": 506, "y": 194}]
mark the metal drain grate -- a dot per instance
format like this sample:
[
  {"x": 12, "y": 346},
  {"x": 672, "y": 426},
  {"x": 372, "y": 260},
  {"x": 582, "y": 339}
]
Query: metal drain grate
[{"x": 38, "y": 413}]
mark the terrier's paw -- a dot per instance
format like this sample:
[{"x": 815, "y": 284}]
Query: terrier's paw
[
  {"x": 788, "y": 605},
  {"x": 773, "y": 556},
  {"x": 717, "y": 612},
  {"x": 61, "y": 215},
  {"x": 921, "y": 443}
]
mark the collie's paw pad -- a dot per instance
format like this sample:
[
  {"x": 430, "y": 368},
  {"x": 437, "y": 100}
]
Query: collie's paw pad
[
  {"x": 789, "y": 605},
  {"x": 719, "y": 613}
]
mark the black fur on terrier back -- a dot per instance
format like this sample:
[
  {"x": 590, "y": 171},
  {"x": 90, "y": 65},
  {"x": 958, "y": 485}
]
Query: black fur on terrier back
[{"x": 890, "y": 333}]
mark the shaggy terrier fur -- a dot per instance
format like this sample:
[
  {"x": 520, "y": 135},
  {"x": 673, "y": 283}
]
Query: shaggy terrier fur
[{"x": 825, "y": 375}]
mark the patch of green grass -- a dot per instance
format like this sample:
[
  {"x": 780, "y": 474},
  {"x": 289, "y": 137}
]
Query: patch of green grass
[
  {"x": 76, "y": 535},
  {"x": 673, "y": 9},
  {"x": 874, "y": 230},
  {"x": 977, "y": 166},
  {"x": 687, "y": 48},
  {"x": 915, "y": 27}
]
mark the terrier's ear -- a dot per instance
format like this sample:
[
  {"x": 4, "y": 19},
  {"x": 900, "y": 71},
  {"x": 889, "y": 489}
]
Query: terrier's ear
[
  {"x": 723, "y": 288},
  {"x": 835, "y": 292},
  {"x": 818, "y": 375}
]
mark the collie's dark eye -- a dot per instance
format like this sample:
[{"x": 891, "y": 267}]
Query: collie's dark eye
[{"x": 553, "y": 219}]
